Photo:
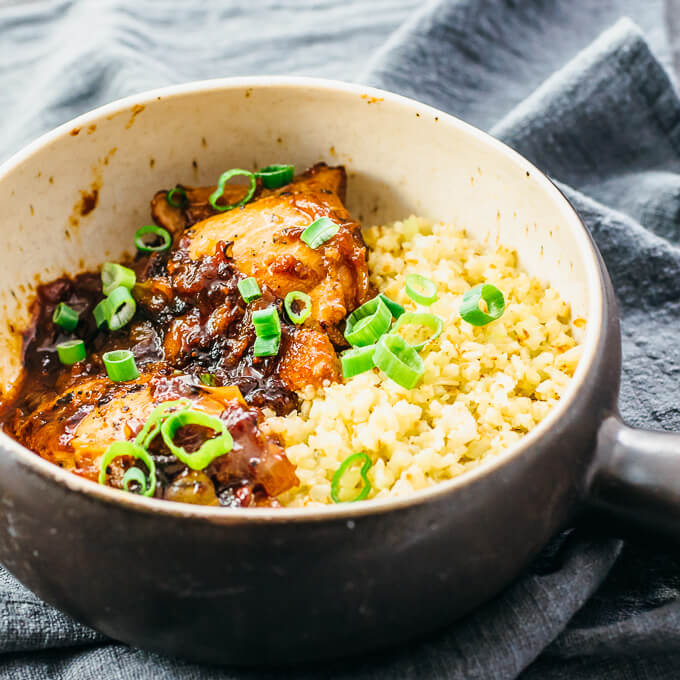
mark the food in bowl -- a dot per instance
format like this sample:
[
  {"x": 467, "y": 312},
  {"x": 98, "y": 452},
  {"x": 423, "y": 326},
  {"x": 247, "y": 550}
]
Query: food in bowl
[{"x": 260, "y": 350}]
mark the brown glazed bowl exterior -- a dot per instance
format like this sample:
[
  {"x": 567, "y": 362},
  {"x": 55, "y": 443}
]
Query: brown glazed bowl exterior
[{"x": 258, "y": 586}]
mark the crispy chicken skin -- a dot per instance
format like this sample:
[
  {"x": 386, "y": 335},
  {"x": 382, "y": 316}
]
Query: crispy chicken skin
[{"x": 191, "y": 321}]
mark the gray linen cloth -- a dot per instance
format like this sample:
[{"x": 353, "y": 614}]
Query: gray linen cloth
[{"x": 581, "y": 91}]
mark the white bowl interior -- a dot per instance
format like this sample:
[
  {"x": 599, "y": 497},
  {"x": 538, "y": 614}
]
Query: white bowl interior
[{"x": 402, "y": 158}]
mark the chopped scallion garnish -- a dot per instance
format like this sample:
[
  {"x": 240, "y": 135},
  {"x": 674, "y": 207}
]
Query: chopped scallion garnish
[
  {"x": 367, "y": 323},
  {"x": 221, "y": 183},
  {"x": 102, "y": 312},
  {"x": 153, "y": 423},
  {"x": 434, "y": 323},
  {"x": 275, "y": 176},
  {"x": 398, "y": 360},
  {"x": 120, "y": 365},
  {"x": 152, "y": 245},
  {"x": 342, "y": 470},
  {"x": 208, "y": 379},
  {"x": 177, "y": 197},
  {"x": 297, "y": 316},
  {"x": 209, "y": 450},
  {"x": 267, "y": 322},
  {"x": 118, "y": 449},
  {"x": 394, "y": 307},
  {"x": 71, "y": 352},
  {"x": 65, "y": 317},
  {"x": 134, "y": 475},
  {"x": 319, "y": 231},
  {"x": 421, "y": 289},
  {"x": 121, "y": 308},
  {"x": 115, "y": 275},
  {"x": 267, "y": 347},
  {"x": 249, "y": 289},
  {"x": 495, "y": 303},
  {"x": 357, "y": 360}
]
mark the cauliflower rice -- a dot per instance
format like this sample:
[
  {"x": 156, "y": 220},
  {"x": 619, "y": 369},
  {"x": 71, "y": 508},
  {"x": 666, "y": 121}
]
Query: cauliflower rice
[{"x": 483, "y": 388}]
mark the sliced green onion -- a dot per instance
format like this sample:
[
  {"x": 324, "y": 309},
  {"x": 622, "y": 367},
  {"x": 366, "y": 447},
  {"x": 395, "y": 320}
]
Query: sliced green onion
[
  {"x": 267, "y": 323},
  {"x": 337, "y": 477},
  {"x": 221, "y": 182},
  {"x": 207, "y": 379},
  {"x": 134, "y": 474},
  {"x": 177, "y": 203},
  {"x": 71, "y": 352},
  {"x": 153, "y": 423},
  {"x": 115, "y": 275},
  {"x": 65, "y": 317},
  {"x": 394, "y": 307},
  {"x": 120, "y": 365},
  {"x": 357, "y": 360},
  {"x": 122, "y": 307},
  {"x": 132, "y": 449},
  {"x": 267, "y": 347},
  {"x": 102, "y": 312},
  {"x": 434, "y": 323},
  {"x": 249, "y": 289},
  {"x": 209, "y": 450},
  {"x": 297, "y": 296},
  {"x": 495, "y": 302},
  {"x": 421, "y": 289},
  {"x": 275, "y": 176},
  {"x": 319, "y": 231},
  {"x": 158, "y": 233},
  {"x": 398, "y": 360},
  {"x": 367, "y": 323}
]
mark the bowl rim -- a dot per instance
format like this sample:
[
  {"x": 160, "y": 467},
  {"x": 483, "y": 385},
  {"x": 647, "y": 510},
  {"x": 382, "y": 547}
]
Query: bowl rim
[{"x": 596, "y": 282}]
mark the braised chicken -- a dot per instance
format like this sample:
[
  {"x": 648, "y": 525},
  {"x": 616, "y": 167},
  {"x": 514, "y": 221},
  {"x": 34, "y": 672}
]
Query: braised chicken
[{"x": 192, "y": 338}]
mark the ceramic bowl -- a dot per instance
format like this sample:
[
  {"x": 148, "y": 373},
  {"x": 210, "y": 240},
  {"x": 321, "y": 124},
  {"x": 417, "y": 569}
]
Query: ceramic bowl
[{"x": 274, "y": 586}]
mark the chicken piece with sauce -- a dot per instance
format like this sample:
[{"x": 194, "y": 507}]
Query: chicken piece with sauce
[{"x": 191, "y": 322}]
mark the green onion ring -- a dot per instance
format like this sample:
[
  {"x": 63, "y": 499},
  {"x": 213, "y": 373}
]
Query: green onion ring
[
  {"x": 357, "y": 360},
  {"x": 337, "y": 477},
  {"x": 102, "y": 312},
  {"x": 170, "y": 197},
  {"x": 319, "y": 231},
  {"x": 394, "y": 307},
  {"x": 153, "y": 423},
  {"x": 71, "y": 352},
  {"x": 208, "y": 379},
  {"x": 118, "y": 449},
  {"x": 120, "y": 365},
  {"x": 267, "y": 347},
  {"x": 115, "y": 275},
  {"x": 398, "y": 360},
  {"x": 297, "y": 296},
  {"x": 147, "y": 229},
  {"x": 249, "y": 289},
  {"x": 224, "y": 178},
  {"x": 421, "y": 289},
  {"x": 65, "y": 317},
  {"x": 267, "y": 323},
  {"x": 275, "y": 176},
  {"x": 121, "y": 308},
  {"x": 134, "y": 474},
  {"x": 469, "y": 307},
  {"x": 433, "y": 322},
  {"x": 367, "y": 323},
  {"x": 209, "y": 450}
]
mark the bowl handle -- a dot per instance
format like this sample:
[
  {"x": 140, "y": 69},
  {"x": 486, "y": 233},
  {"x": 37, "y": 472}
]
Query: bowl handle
[{"x": 635, "y": 476}]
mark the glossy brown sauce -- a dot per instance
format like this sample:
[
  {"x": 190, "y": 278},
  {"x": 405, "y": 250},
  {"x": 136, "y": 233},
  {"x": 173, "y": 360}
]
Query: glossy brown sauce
[{"x": 191, "y": 321}]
